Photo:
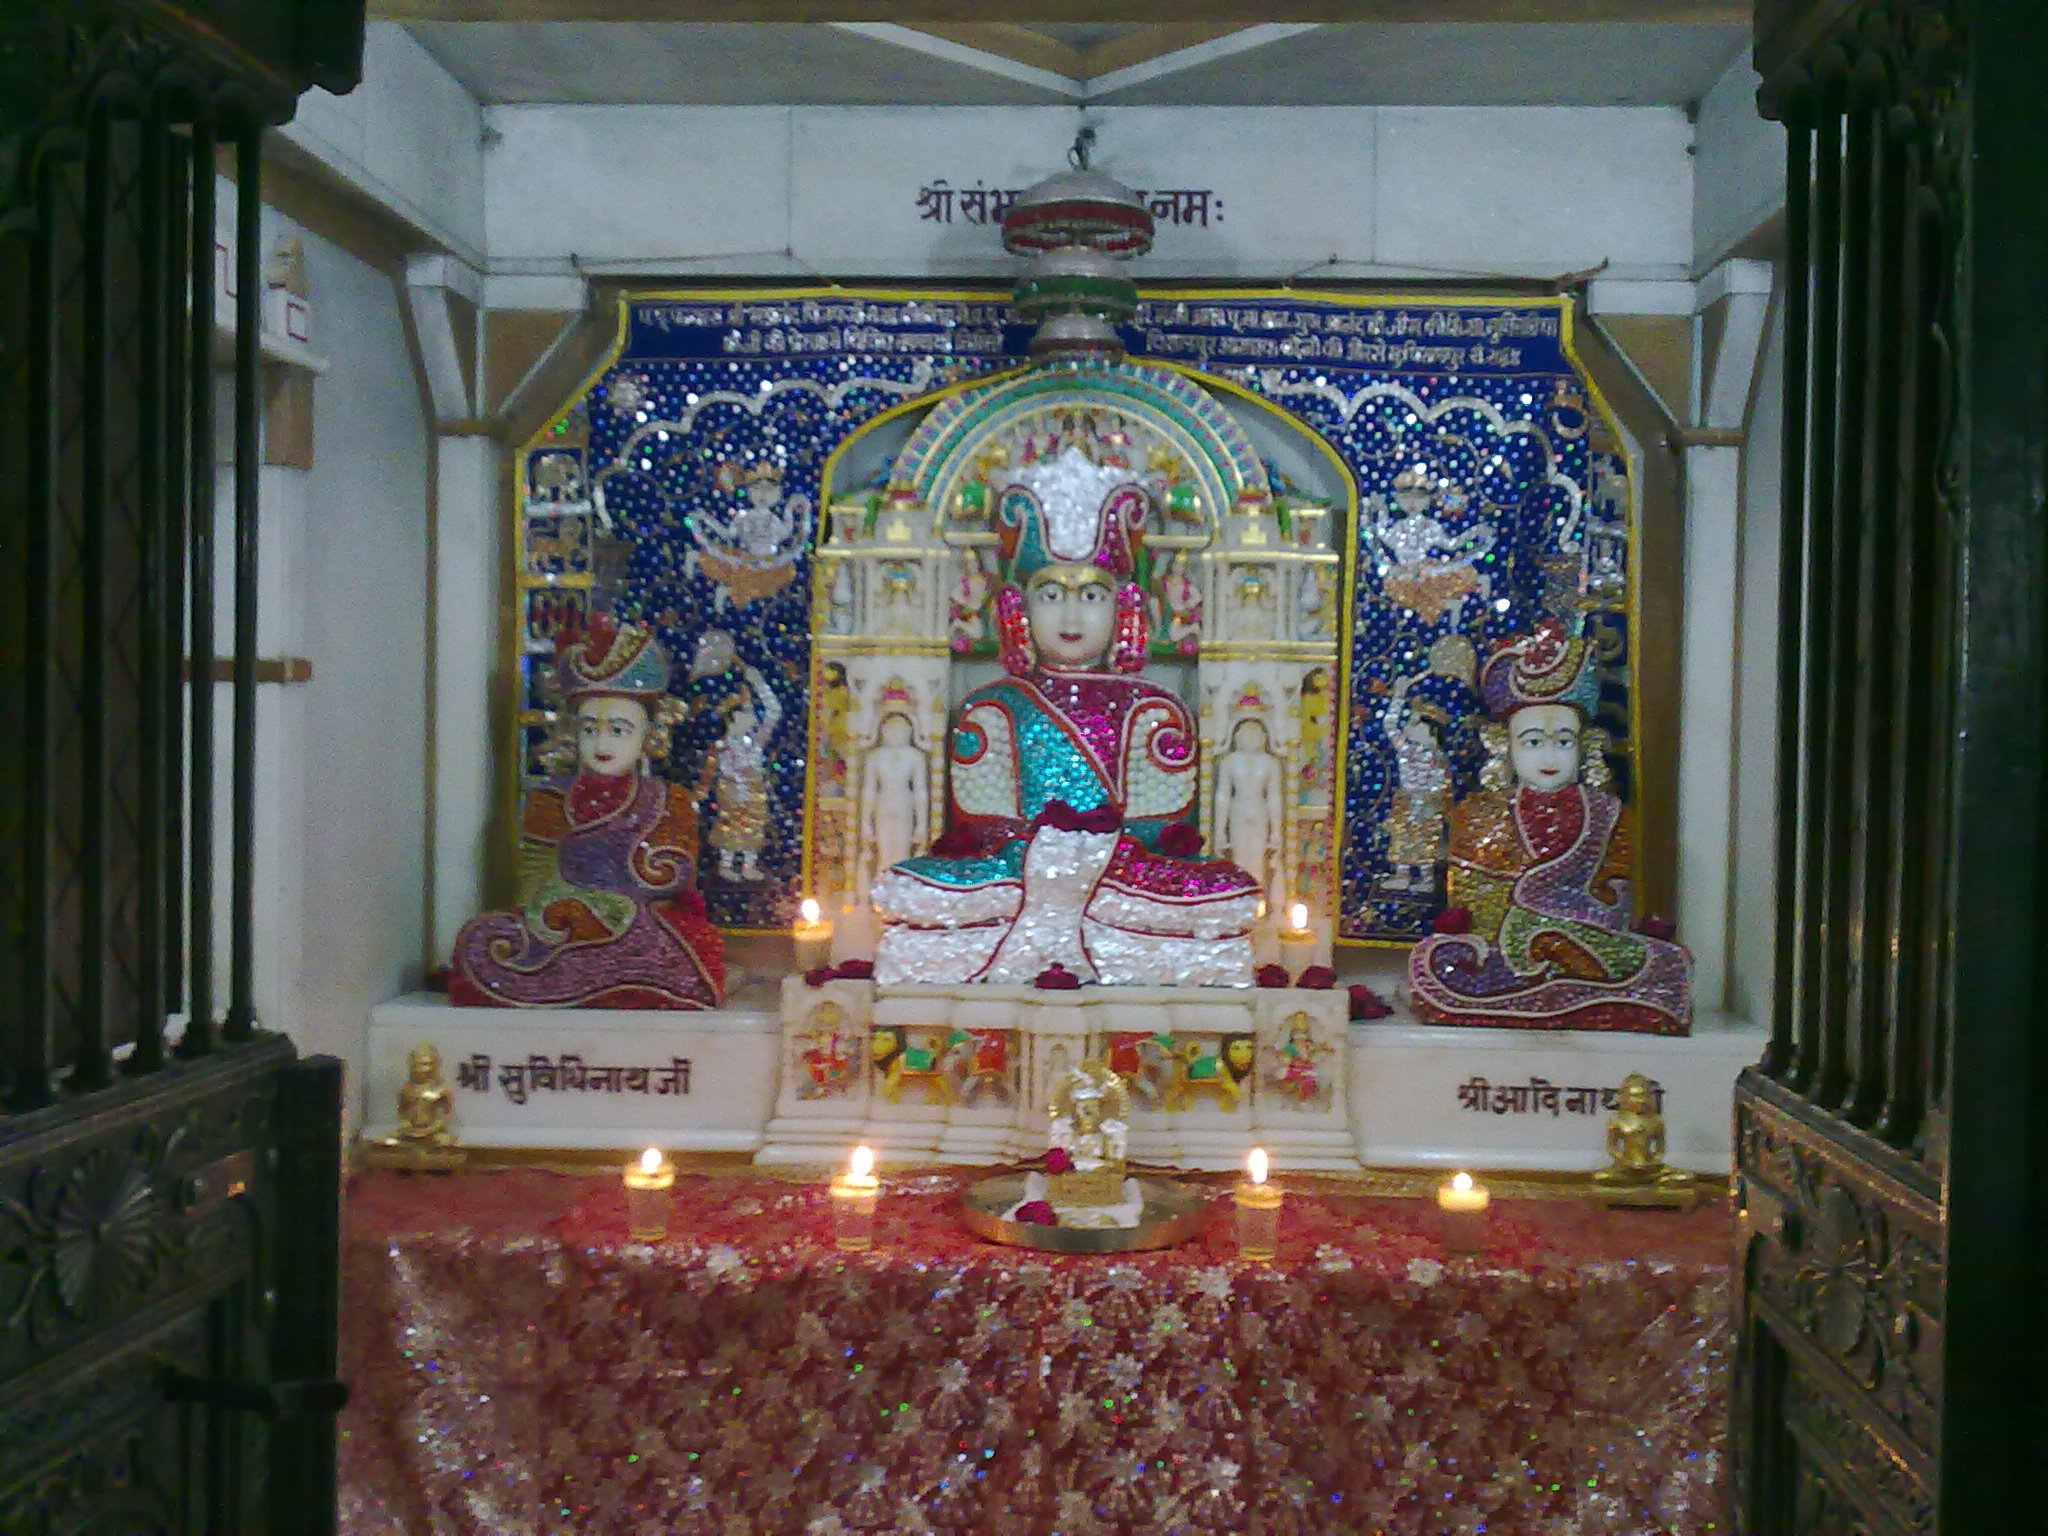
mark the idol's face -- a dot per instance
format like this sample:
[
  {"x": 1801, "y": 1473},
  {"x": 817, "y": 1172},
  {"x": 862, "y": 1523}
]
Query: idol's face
[
  {"x": 1250, "y": 736},
  {"x": 1543, "y": 745},
  {"x": 1417, "y": 730},
  {"x": 895, "y": 731},
  {"x": 1072, "y": 609},
  {"x": 611, "y": 734}
]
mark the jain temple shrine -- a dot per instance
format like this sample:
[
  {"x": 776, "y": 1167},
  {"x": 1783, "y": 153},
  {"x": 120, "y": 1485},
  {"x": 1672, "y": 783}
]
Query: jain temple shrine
[{"x": 1052, "y": 769}]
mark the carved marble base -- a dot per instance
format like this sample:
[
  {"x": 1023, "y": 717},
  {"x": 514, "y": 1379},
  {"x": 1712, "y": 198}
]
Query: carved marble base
[{"x": 963, "y": 1074}]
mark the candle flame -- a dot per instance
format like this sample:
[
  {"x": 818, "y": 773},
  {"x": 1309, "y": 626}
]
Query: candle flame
[
  {"x": 1297, "y": 915},
  {"x": 1461, "y": 1182},
  {"x": 809, "y": 908},
  {"x": 863, "y": 1162},
  {"x": 1257, "y": 1162},
  {"x": 650, "y": 1160}
]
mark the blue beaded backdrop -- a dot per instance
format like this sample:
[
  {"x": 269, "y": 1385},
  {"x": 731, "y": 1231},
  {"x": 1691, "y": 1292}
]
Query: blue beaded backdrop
[{"x": 680, "y": 488}]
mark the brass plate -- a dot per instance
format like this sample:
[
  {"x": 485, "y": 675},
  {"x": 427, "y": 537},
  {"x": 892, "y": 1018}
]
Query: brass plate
[{"x": 1172, "y": 1214}]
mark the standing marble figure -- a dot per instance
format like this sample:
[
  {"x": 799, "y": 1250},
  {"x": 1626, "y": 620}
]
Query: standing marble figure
[
  {"x": 895, "y": 798},
  {"x": 1538, "y": 935},
  {"x": 1070, "y": 824},
  {"x": 609, "y": 915}
]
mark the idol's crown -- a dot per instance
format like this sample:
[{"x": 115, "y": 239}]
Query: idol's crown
[{"x": 1067, "y": 508}]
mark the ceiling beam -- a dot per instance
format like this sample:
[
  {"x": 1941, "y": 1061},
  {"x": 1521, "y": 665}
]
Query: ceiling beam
[
  {"x": 1140, "y": 45},
  {"x": 1229, "y": 45},
  {"x": 1009, "y": 41},
  {"x": 1146, "y": 12},
  {"x": 934, "y": 46}
]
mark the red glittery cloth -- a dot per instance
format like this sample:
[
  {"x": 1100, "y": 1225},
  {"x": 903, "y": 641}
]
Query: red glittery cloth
[{"x": 519, "y": 1366}]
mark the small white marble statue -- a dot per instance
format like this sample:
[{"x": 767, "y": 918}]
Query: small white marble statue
[
  {"x": 895, "y": 801},
  {"x": 1249, "y": 825}
]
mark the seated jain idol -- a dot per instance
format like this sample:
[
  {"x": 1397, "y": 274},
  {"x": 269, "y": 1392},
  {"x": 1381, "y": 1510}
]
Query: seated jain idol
[
  {"x": 1538, "y": 932},
  {"x": 1070, "y": 820},
  {"x": 609, "y": 915}
]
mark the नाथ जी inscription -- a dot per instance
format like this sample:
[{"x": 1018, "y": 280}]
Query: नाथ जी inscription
[
  {"x": 939, "y": 200},
  {"x": 570, "y": 1074},
  {"x": 1540, "y": 1094}
]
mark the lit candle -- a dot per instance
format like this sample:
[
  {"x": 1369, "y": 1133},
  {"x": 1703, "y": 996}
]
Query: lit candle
[
  {"x": 1258, "y": 1211},
  {"x": 1461, "y": 1206},
  {"x": 1297, "y": 940},
  {"x": 813, "y": 935},
  {"x": 648, "y": 1182},
  {"x": 853, "y": 1202}
]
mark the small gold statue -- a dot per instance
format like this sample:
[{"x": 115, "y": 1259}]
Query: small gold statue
[
  {"x": 423, "y": 1142},
  {"x": 1088, "y": 1107},
  {"x": 1636, "y": 1173}
]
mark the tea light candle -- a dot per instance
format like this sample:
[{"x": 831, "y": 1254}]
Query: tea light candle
[
  {"x": 648, "y": 1182},
  {"x": 853, "y": 1203},
  {"x": 1461, "y": 1205},
  {"x": 1297, "y": 940},
  {"x": 1258, "y": 1211},
  {"x": 813, "y": 934}
]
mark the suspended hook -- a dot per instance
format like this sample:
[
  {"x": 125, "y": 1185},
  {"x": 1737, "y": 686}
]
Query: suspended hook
[{"x": 1084, "y": 144}]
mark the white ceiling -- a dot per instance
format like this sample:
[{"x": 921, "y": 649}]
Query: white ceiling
[{"x": 1421, "y": 64}]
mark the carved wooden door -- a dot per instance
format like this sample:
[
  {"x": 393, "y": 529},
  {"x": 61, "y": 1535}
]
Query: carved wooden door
[
  {"x": 1890, "y": 1148},
  {"x": 168, "y": 1210}
]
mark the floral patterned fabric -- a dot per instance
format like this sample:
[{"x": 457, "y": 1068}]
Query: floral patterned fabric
[{"x": 519, "y": 1366}]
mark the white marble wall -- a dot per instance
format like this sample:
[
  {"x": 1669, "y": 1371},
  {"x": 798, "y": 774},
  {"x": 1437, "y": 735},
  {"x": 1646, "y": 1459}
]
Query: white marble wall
[
  {"x": 775, "y": 191},
  {"x": 1739, "y": 170},
  {"x": 1752, "y": 948},
  {"x": 354, "y": 791},
  {"x": 409, "y": 138}
]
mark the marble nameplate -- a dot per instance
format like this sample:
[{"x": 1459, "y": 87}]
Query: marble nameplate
[
  {"x": 1435, "y": 1096},
  {"x": 585, "y": 1078}
]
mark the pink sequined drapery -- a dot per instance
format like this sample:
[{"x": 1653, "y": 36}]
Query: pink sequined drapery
[{"x": 519, "y": 1367}]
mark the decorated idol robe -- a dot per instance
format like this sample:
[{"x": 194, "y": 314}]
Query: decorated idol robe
[
  {"x": 1549, "y": 946},
  {"x": 1066, "y": 790},
  {"x": 609, "y": 916}
]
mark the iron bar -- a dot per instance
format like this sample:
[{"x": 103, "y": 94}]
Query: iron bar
[
  {"x": 1915, "y": 595},
  {"x": 200, "y": 579},
  {"x": 1838, "y": 806},
  {"x": 1941, "y": 482},
  {"x": 241, "y": 1020},
  {"x": 1874, "y": 928},
  {"x": 156, "y": 318},
  {"x": 1824, "y": 372},
  {"x": 91, "y": 1066},
  {"x": 177, "y": 281},
  {"x": 30, "y": 1062},
  {"x": 1793, "y": 559}
]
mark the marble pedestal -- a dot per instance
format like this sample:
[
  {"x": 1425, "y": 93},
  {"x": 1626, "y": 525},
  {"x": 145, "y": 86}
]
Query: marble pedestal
[{"x": 964, "y": 1074}]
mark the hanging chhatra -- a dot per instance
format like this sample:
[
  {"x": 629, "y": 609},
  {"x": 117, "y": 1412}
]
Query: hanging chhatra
[{"x": 1079, "y": 227}]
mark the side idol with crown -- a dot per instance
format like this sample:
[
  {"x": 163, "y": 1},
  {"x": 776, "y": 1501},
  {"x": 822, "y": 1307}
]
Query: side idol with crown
[
  {"x": 1070, "y": 835},
  {"x": 1538, "y": 934},
  {"x": 609, "y": 915}
]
